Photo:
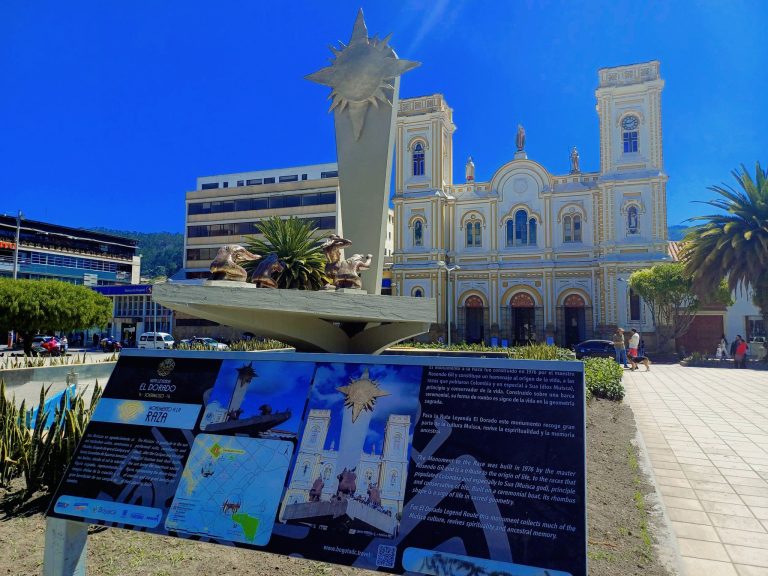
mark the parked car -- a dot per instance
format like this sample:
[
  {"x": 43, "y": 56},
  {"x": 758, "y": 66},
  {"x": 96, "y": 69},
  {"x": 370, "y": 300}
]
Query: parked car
[
  {"x": 110, "y": 344},
  {"x": 594, "y": 349},
  {"x": 45, "y": 345},
  {"x": 161, "y": 340},
  {"x": 209, "y": 343}
]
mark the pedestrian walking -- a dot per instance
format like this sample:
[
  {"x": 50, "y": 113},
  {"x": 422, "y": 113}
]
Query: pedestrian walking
[
  {"x": 740, "y": 357},
  {"x": 634, "y": 343},
  {"x": 724, "y": 344},
  {"x": 620, "y": 347}
]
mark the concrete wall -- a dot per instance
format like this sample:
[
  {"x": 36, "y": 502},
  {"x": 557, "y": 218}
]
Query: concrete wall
[{"x": 25, "y": 383}]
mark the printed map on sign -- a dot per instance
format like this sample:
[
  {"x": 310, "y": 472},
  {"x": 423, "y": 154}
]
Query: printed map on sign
[{"x": 216, "y": 495}]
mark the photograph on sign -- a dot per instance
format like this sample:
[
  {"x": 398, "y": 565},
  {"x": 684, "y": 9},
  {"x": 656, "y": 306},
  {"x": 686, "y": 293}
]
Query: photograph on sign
[{"x": 353, "y": 457}]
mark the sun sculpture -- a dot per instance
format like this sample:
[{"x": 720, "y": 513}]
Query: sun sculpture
[
  {"x": 361, "y": 394},
  {"x": 361, "y": 74}
]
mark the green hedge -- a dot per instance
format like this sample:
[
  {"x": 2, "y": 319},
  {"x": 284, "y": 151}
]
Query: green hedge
[{"x": 603, "y": 378}]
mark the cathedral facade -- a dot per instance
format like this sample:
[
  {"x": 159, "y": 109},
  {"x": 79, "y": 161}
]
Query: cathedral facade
[
  {"x": 387, "y": 470},
  {"x": 531, "y": 255}
]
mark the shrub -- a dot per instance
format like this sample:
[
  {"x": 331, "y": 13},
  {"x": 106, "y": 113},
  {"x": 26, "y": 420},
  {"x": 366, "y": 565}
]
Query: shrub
[
  {"x": 257, "y": 344},
  {"x": 603, "y": 378},
  {"x": 541, "y": 352}
]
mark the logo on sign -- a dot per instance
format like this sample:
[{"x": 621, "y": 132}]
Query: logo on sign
[{"x": 166, "y": 367}]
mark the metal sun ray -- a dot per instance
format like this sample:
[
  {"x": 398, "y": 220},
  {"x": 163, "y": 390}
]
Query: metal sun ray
[{"x": 363, "y": 61}]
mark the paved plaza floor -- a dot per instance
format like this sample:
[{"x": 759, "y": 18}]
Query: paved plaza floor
[{"x": 706, "y": 432}]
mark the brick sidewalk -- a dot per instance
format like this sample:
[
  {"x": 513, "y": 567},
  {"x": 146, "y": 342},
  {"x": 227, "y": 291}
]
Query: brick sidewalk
[{"x": 706, "y": 431}]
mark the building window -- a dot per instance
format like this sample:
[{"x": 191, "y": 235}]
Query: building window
[
  {"x": 225, "y": 185},
  {"x": 629, "y": 133},
  {"x": 291, "y": 178},
  {"x": 418, "y": 293},
  {"x": 418, "y": 159},
  {"x": 521, "y": 228},
  {"x": 303, "y": 176},
  {"x": 474, "y": 234},
  {"x": 269, "y": 180},
  {"x": 329, "y": 174},
  {"x": 253, "y": 182},
  {"x": 210, "y": 186},
  {"x": 393, "y": 479},
  {"x": 632, "y": 221},
  {"x": 634, "y": 306},
  {"x": 510, "y": 233},
  {"x": 240, "y": 182},
  {"x": 418, "y": 233},
  {"x": 572, "y": 228}
]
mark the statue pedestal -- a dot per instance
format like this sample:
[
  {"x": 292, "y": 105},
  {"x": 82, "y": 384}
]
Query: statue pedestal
[
  {"x": 346, "y": 322},
  {"x": 521, "y": 155}
]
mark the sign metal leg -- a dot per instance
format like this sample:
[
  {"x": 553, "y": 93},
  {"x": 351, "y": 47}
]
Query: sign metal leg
[{"x": 65, "y": 548}]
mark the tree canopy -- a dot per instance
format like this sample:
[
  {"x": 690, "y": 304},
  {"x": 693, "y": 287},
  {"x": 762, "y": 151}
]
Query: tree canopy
[
  {"x": 32, "y": 306},
  {"x": 734, "y": 242},
  {"x": 668, "y": 291}
]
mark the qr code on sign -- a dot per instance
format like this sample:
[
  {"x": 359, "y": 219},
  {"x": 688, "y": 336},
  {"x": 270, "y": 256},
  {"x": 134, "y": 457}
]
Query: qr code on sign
[{"x": 385, "y": 556}]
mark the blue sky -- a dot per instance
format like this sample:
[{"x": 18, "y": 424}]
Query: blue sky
[
  {"x": 110, "y": 110},
  {"x": 402, "y": 382}
]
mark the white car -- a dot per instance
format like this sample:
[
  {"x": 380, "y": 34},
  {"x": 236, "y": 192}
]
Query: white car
[{"x": 156, "y": 340}]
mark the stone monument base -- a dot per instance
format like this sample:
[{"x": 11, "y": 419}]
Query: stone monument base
[{"x": 311, "y": 321}]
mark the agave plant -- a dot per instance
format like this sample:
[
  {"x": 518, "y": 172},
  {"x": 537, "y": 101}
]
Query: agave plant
[{"x": 297, "y": 244}]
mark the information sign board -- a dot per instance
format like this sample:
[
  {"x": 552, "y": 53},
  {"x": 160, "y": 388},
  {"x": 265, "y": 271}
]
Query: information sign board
[{"x": 422, "y": 464}]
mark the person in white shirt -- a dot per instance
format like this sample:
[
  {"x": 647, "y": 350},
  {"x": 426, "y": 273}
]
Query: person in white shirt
[{"x": 634, "y": 342}]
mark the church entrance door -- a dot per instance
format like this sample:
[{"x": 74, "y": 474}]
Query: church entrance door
[
  {"x": 475, "y": 331},
  {"x": 575, "y": 319},
  {"x": 523, "y": 319}
]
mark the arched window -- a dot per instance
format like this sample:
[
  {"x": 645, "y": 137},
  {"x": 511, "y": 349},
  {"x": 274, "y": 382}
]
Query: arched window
[
  {"x": 521, "y": 228},
  {"x": 398, "y": 441},
  {"x": 629, "y": 132},
  {"x": 532, "y": 232},
  {"x": 314, "y": 434},
  {"x": 633, "y": 226},
  {"x": 393, "y": 479},
  {"x": 418, "y": 233},
  {"x": 510, "y": 233},
  {"x": 306, "y": 468},
  {"x": 572, "y": 228},
  {"x": 418, "y": 159},
  {"x": 474, "y": 233},
  {"x": 418, "y": 293}
]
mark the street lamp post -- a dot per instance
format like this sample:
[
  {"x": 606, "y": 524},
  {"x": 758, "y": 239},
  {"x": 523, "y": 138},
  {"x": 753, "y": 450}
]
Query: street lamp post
[
  {"x": 449, "y": 301},
  {"x": 16, "y": 246}
]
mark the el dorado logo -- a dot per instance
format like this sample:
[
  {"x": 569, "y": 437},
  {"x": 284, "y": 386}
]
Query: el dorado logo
[{"x": 166, "y": 367}]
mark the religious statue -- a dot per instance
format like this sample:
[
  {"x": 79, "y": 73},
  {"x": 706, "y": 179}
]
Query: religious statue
[
  {"x": 317, "y": 490},
  {"x": 343, "y": 273},
  {"x": 470, "y": 170},
  {"x": 228, "y": 261},
  {"x": 520, "y": 139},
  {"x": 347, "y": 483},
  {"x": 266, "y": 269},
  {"x": 575, "y": 161}
]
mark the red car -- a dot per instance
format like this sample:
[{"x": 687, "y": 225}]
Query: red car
[{"x": 45, "y": 345}]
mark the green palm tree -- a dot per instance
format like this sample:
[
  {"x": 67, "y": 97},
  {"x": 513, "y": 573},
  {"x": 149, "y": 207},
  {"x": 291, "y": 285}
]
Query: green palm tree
[
  {"x": 297, "y": 244},
  {"x": 733, "y": 243}
]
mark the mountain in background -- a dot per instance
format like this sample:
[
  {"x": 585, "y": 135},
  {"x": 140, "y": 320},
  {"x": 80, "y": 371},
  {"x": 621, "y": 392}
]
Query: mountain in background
[
  {"x": 677, "y": 232},
  {"x": 162, "y": 253}
]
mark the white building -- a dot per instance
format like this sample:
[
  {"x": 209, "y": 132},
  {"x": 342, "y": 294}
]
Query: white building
[
  {"x": 539, "y": 254},
  {"x": 387, "y": 470}
]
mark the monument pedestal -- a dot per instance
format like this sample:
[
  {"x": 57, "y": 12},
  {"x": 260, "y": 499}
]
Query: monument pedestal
[{"x": 326, "y": 321}]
